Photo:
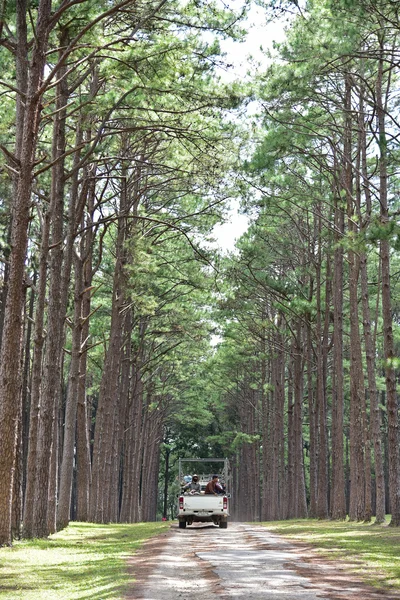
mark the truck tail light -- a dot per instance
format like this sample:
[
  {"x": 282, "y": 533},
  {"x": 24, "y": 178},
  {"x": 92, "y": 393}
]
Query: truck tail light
[
  {"x": 180, "y": 502},
  {"x": 225, "y": 505}
]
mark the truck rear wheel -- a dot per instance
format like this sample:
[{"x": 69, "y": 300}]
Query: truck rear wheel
[
  {"x": 223, "y": 524},
  {"x": 182, "y": 524}
]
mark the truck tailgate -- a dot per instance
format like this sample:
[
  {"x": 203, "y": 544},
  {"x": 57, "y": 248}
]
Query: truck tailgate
[{"x": 207, "y": 502}]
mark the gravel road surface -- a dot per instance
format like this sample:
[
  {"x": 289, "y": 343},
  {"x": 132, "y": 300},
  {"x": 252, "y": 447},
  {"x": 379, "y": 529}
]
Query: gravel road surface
[{"x": 241, "y": 562}]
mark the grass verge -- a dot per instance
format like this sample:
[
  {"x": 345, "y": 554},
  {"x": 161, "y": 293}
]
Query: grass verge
[
  {"x": 84, "y": 561},
  {"x": 372, "y": 551}
]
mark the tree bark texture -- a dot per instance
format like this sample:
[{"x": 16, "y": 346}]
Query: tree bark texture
[
  {"x": 51, "y": 382},
  {"x": 369, "y": 338},
  {"x": 392, "y": 407},
  {"x": 83, "y": 476},
  {"x": 338, "y": 498},
  {"x": 357, "y": 392},
  {"x": 39, "y": 338},
  {"x": 320, "y": 399},
  {"x": 106, "y": 426},
  {"x": 11, "y": 341}
]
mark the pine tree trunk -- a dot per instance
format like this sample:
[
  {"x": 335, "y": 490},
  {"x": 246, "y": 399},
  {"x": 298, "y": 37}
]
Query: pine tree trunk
[
  {"x": 105, "y": 430},
  {"x": 166, "y": 481},
  {"x": 67, "y": 463},
  {"x": 279, "y": 437},
  {"x": 84, "y": 474},
  {"x": 264, "y": 428},
  {"x": 36, "y": 379},
  {"x": 321, "y": 417},
  {"x": 53, "y": 475},
  {"x": 16, "y": 518},
  {"x": 388, "y": 343},
  {"x": 151, "y": 464},
  {"x": 369, "y": 340},
  {"x": 11, "y": 341},
  {"x": 357, "y": 465},
  {"x": 300, "y": 504},
  {"x": 51, "y": 383},
  {"x": 360, "y": 255},
  {"x": 137, "y": 441},
  {"x": 357, "y": 402},
  {"x": 83, "y": 471},
  {"x": 338, "y": 498},
  {"x": 313, "y": 449},
  {"x": 26, "y": 380},
  {"x": 277, "y": 509},
  {"x": 291, "y": 483},
  {"x": 18, "y": 479},
  {"x": 131, "y": 427},
  {"x": 375, "y": 416}
]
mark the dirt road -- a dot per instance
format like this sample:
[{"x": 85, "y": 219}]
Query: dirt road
[{"x": 241, "y": 562}]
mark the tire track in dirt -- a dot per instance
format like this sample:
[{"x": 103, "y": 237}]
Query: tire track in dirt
[{"x": 244, "y": 561}]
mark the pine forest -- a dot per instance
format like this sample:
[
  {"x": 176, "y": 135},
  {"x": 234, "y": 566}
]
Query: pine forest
[{"x": 129, "y": 336}]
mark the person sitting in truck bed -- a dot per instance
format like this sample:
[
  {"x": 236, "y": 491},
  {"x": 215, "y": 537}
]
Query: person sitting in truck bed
[
  {"x": 194, "y": 486},
  {"x": 220, "y": 488},
  {"x": 213, "y": 486}
]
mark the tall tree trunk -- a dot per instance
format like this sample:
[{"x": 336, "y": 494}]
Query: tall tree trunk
[
  {"x": 360, "y": 255},
  {"x": 166, "y": 481},
  {"x": 264, "y": 425},
  {"x": 338, "y": 498},
  {"x": 276, "y": 431},
  {"x": 357, "y": 392},
  {"x": 131, "y": 439},
  {"x": 357, "y": 465},
  {"x": 313, "y": 449},
  {"x": 53, "y": 475},
  {"x": 67, "y": 463},
  {"x": 26, "y": 383},
  {"x": 11, "y": 341},
  {"x": 370, "y": 346},
  {"x": 105, "y": 430},
  {"x": 249, "y": 464},
  {"x": 16, "y": 517},
  {"x": 322, "y": 465},
  {"x": 137, "y": 444},
  {"x": 388, "y": 343},
  {"x": 22, "y": 76},
  {"x": 291, "y": 482},
  {"x": 18, "y": 472},
  {"x": 39, "y": 338},
  {"x": 83, "y": 474},
  {"x": 51, "y": 383},
  {"x": 300, "y": 504}
]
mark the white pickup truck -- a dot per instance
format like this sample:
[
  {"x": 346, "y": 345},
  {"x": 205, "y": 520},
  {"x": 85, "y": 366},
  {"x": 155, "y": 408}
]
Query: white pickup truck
[{"x": 200, "y": 507}]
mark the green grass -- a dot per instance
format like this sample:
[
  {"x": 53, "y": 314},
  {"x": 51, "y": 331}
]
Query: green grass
[
  {"x": 372, "y": 551},
  {"x": 82, "y": 562}
]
